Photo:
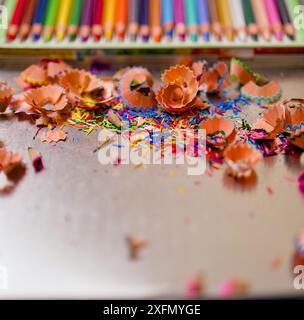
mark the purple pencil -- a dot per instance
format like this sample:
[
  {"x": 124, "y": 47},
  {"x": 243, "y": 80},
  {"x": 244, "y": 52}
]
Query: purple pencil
[
  {"x": 203, "y": 16},
  {"x": 86, "y": 20},
  {"x": 144, "y": 29},
  {"x": 179, "y": 19}
]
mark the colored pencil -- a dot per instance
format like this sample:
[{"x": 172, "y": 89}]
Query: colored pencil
[
  {"x": 167, "y": 18},
  {"x": 10, "y": 6},
  {"x": 50, "y": 19},
  {"x": 121, "y": 18},
  {"x": 179, "y": 19},
  {"x": 63, "y": 19},
  {"x": 238, "y": 22},
  {"x": 108, "y": 18},
  {"x": 215, "y": 21},
  {"x": 133, "y": 19},
  {"x": 191, "y": 18},
  {"x": 38, "y": 19},
  {"x": 261, "y": 18},
  {"x": 27, "y": 17},
  {"x": 294, "y": 14},
  {"x": 204, "y": 20},
  {"x": 75, "y": 19},
  {"x": 155, "y": 19},
  {"x": 274, "y": 19},
  {"x": 15, "y": 20},
  {"x": 252, "y": 28},
  {"x": 144, "y": 29},
  {"x": 86, "y": 20},
  {"x": 225, "y": 18},
  {"x": 285, "y": 19},
  {"x": 97, "y": 20}
]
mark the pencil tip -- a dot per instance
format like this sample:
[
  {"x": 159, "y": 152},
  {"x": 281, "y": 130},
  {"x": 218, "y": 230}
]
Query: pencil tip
[
  {"x": 206, "y": 36},
  {"x": 35, "y": 37},
  {"x": 47, "y": 37},
  {"x": 193, "y": 36},
  {"x": 145, "y": 38}
]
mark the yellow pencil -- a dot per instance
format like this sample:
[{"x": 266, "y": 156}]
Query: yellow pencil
[
  {"x": 108, "y": 18},
  {"x": 63, "y": 19},
  {"x": 225, "y": 18}
]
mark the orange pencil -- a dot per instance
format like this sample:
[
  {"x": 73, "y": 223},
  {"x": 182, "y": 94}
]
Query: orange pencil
[
  {"x": 261, "y": 18},
  {"x": 155, "y": 19},
  {"x": 27, "y": 17},
  {"x": 121, "y": 18}
]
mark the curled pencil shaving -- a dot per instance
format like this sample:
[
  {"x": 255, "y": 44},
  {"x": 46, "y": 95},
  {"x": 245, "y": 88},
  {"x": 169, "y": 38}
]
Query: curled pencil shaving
[
  {"x": 55, "y": 67},
  {"x": 33, "y": 76},
  {"x": 211, "y": 79},
  {"x": 50, "y": 102},
  {"x": 53, "y": 136},
  {"x": 242, "y": 73},
  {"x": 85, "y": 90},
  {"x": 240, "y": 158},
  {"x": 294, "y": 112},
  {"x": 268, "y": 92},
  {"x": 135, "y": 245},
  {"x": 297, "y": 138},
  {"x": 114, "y": 118},
  {"x": 6, "y": 94},
  {"x": 180, "y": 90},
  {"x": 272, "y": 122},
  {"x": 194, "y": 287},
  {"x": 233, "y": 288},
  {"x": 135, "y": 89},
  {"x": 9, "y": 160},
  {"x": 219, "y": 131}
]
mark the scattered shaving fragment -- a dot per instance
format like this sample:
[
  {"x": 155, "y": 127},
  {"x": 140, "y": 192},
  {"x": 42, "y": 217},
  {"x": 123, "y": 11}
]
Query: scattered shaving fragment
[
  {"x": 53, "y": 136},
  {"x": 194, "y": 287},
  {"x": 135, "y": 245}
]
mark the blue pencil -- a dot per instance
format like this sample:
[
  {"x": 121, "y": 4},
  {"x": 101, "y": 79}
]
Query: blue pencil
[
  {"x": 167, "y": 17},
  {"x": 203, "y": 17},
  {"x": 39, "y": 19}
]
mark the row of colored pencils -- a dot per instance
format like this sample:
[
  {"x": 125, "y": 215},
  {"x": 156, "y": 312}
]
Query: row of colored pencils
[{"x": 151, "y": 19}]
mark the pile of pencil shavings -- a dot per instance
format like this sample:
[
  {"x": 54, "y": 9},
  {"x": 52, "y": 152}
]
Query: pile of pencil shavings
[{"x": 192, "y": 95}]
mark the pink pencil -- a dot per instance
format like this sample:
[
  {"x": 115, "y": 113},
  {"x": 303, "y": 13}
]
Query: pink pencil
[
  {"x": 179, "y": 19},
  {"x": 274, "y": 19}
]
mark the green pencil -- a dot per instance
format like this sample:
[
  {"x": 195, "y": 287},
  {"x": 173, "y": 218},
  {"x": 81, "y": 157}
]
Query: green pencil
[
  {"x": 50, "y": 19},
  {"x": 191, "y": 18},
  {"x": 252, "y": 28},
  {"x": 295, "y": 16},
  {"x": 75, "y": 19}
]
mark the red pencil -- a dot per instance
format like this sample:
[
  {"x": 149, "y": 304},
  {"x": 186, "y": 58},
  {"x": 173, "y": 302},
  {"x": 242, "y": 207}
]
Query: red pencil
[
  {"x": 27, "y": 17},
  {"x": 97, "y": 18},
  {"x": 16, "y": 20}
]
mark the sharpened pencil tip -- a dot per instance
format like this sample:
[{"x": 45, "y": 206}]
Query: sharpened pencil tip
[
  {"x": 35, "y": 37},
  {"x": 206, "y": 36},
  {"x": 193, "y": 37},
  {"x": 145, "y": 38},
  {"x": 47, "y": 37}
]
